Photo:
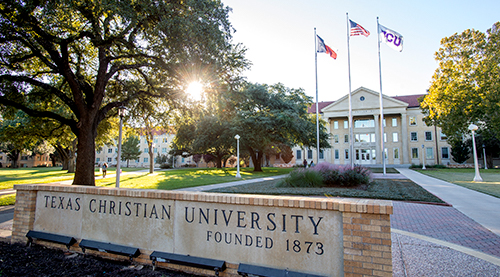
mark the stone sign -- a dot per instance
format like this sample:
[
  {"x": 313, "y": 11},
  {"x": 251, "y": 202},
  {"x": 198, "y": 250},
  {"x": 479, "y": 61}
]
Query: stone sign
[{"x": 323, "y": 236}]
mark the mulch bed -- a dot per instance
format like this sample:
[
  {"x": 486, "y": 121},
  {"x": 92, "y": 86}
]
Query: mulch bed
[{"x": 20, "y": 260}]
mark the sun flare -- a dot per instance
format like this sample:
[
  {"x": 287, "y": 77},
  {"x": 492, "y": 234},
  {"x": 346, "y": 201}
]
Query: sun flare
[{"x": 195, "y": 90}]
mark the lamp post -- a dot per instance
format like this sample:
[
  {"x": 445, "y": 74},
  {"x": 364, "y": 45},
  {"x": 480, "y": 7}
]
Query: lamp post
[
  {"x": 477, "y": 177},
  {"x": 121, "y": 113},
  {"x": 423, "y": 157},
  {"x": 237, "y": 137},
  {"x": 484, "y": 154}
]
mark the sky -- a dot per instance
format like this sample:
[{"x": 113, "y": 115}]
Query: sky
[{"x": 279, "y": 36}]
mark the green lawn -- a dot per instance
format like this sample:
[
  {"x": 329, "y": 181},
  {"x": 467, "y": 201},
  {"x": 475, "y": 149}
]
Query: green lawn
[
  {"x": 41, "y": 175},
  {"x": 464, "y": 176},
  {"x": 188, "y": 177}
]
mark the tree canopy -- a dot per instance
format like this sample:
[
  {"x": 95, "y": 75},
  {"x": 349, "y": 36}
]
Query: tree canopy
[
  {"x": 465, "y": 88},
  {"x": 74, "y": 61}
]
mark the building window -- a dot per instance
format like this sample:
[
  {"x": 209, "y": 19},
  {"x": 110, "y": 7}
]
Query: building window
[
  {"x": 385, "y": 137},
  {"x": 364, "y": 137},
  {"x": 395, "y": 137},
  {"x": 429, "y": 153},
  {"x": 155, "y": 150},
  {"x": 321, "y": 154},
  {"x": 109, "y": 160},
  {"x": 346, "y": 138},
  {"x": 164, "y": 140},
  {"x": 137, "y": 161},
  {"x": 428, "y": 135},
  {"x": 413, "y": 136},
  {"x": 335, "y": 125},
  {"x": 309, "y": 154},
  {"x": 336, "y": 138},
  {"x": 164, "y": 150},
  {"x": 346, "y": 154},
  {"x": 396, "y": 153},
  {"x": 364, "y": 123},
  {"x": 110, "y": 150},
  {"x": 146, "y": 160},
  {"x": 394, "y": 122},
  {"x": 155, "y": 140},
  {"x": 337, "y": 154},
  {"x": 414, "y": 153},
  {"x": 445, "y": 153},
  {"x": 299, "y": 154},
  {"x": 413, "y": 121},
  {"x": 346, "y": 124},
  {"x": 146, "y": 150},
  {"x": 442, "y": 136},
  {"x": 99, "y": 151},
  {"x": 383, "y": 121},
  {"x": 97, "y": 160}
]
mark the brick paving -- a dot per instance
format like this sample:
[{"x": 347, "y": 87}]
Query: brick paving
[{"x": 444, "y": 223}]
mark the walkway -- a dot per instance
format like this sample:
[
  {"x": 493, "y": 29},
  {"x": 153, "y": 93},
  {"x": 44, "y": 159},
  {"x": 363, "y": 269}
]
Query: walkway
[{"x": 482, "y": 208}]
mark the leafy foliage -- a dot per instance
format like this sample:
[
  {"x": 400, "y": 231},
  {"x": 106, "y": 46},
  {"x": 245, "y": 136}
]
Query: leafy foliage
[
  {"x": 465, "y": 87},
  {"x": 460, "y": 151},
  {"x": 74, "y": 62},
  {"x": 327, "y": 175},
  {"x": 130, "y": 149}
]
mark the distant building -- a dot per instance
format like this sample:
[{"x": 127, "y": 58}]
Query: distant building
[
  {"x": 407, "y": 139},
  {"x": 162, "y": 142},
  {"x": 37, "y": 160}
]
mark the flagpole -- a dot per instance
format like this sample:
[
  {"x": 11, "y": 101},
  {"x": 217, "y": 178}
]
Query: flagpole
[
  {"x": 317, "y": 111},
  {"x": 351, "y": 136},
  {"x": 381, "y": 102}
]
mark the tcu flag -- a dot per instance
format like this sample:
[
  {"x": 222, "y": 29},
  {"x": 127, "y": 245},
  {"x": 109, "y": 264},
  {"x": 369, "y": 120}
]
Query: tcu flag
[{"x": 391, "y": 38}]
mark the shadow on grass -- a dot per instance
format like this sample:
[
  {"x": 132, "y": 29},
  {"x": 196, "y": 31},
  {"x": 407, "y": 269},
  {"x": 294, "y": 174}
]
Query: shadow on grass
[{"x": 189, "y": 177}]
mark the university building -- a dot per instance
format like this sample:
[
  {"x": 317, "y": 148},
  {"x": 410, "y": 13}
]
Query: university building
[
  {"x": 161, "y": 146},
  {"x": 407, "y": 139}
]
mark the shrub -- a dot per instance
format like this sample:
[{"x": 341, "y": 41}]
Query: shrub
[
  {"x": 165, "y": 166},
  {"x": 329, "y": 175},
  {"x": 302, "y": 178}
]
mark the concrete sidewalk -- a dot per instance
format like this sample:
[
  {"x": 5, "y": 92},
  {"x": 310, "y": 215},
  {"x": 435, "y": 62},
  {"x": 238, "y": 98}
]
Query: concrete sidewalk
[{"x": 482, "y": 208}]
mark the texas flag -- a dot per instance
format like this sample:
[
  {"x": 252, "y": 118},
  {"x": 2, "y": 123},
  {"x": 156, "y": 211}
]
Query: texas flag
[{"x": 323, "y": 48}]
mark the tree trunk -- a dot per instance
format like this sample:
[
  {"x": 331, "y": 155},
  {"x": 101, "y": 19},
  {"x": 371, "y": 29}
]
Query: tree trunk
[
  {"x": 150, "y": 137},
  {"x": 256, "y": 159},
  {"x": 85, "y": 158}
]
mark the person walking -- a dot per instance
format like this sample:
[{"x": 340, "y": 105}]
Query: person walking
[
  {"x": 305, "y": 163},
  {"x": 104, "y": 168}
]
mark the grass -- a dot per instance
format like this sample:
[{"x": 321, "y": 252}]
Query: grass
[
  {"x": 464, "y": 176},
  {"x": 41, "y": 175},
  {"x": 188, "y": 177},
  {"x": 391, "y": 189},
  {"x": 7, "y": 200}
]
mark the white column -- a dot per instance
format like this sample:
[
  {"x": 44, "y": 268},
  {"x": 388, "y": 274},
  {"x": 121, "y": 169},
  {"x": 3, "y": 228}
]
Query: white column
[
  {"x": 378, "y": 137},
  {"x": 404, "y": 139}
]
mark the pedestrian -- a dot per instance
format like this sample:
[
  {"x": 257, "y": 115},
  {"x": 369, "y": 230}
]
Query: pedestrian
[
  {"x": 104, "y": 168},
  {"x": 305, "y": 163},
  {"x": 312, "y": 164}
]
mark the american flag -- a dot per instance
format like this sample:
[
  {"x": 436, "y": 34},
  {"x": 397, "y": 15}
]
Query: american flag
[{"x": 357, "y": 30}]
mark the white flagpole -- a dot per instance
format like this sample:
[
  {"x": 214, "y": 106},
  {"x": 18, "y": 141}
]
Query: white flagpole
[
  {"x": 317, "y": 111},
  {"x": 351, "y": 136},
  {"x": 381, "y": 102}
]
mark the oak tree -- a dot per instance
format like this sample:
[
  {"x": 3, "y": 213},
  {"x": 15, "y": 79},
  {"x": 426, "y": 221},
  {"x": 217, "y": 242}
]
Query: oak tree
[{"x": 78, "y": 54}]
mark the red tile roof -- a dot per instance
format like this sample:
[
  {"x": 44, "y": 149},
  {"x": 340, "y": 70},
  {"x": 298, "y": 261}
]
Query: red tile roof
[
  {"x": 412, "y": 101},
  {"x": 321, "y": 106}
]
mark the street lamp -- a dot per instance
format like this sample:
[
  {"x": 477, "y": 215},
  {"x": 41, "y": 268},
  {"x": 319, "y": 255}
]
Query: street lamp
[
  {"x": 477, "y": 177},
  {"x": 237, "y": 137},
  {"x": 484, "y": 154},
  {"x": 121, "y": 113},
  {"x": 423, "y": 157}
]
